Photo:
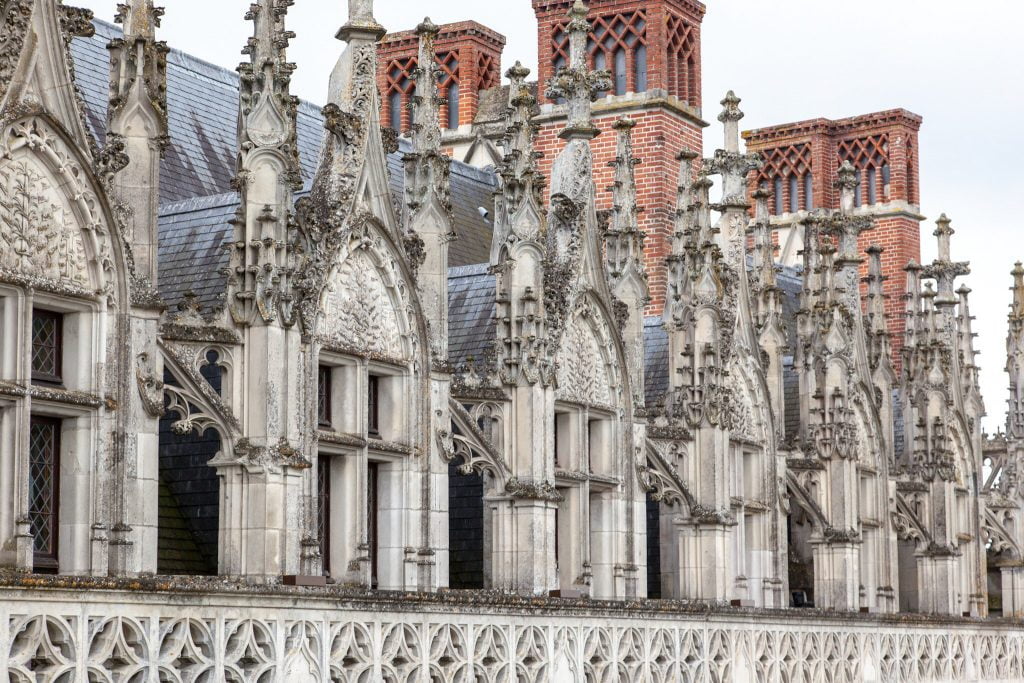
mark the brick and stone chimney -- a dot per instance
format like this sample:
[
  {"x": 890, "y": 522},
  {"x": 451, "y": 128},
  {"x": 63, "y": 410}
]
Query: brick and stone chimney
[
  {"x": 800, "y": 169},
  {"x": 469, "y": 57},
  {"x": 652, "y": 49}
]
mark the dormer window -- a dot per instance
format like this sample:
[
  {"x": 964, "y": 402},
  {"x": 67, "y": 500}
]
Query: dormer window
[{"x": 47, "y": 346}]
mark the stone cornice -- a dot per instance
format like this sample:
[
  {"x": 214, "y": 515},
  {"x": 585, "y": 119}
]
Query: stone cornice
[{"x": 624, "y": 105}]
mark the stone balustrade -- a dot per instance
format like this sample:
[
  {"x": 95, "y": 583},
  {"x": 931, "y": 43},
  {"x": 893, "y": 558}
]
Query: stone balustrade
[{"x": 72, "y": 630}]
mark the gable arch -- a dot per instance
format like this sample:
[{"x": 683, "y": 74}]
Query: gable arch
[
  {"x": 58, "y": 222},
  {"x": 590, "y": 361},
  {"x": 368, "y": 303}
]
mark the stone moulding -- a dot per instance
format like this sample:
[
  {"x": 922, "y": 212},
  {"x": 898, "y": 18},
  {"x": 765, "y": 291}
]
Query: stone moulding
[{"x": 127, "y": 628}]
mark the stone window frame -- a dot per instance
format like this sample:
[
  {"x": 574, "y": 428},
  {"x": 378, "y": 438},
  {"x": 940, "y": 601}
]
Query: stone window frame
[
  {"x": 74, "y": 404},
  {"x": 351, "y": 452},
  {"x": 579, "y": 484}
]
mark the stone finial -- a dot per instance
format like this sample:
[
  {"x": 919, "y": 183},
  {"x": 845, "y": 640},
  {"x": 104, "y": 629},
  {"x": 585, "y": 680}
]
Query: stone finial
[
  {"x": 876, "y": 292},
  {"x": 624, "y": 240},
  {"x": 139, "y": 18},
  {"x": 426, "y": 124},
  {"x": 944, "y": 231},
  {"x": 847, "y": 182},
  {"x": 426, "y": 168},
  {"x": 761, "y": 197},
  {"x": 361, "y": 23},
  {"x": 731, "y": 116},
  {"x": 577, "y": 84},
  {"x": 1017, "y": 307}
]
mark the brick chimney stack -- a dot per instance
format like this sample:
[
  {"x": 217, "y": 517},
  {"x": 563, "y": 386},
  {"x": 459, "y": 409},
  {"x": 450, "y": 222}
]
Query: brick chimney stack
[
  {"x": 652, "y": 49},
  {"x": 469, "y": 56},
  {"x": 801, "y": 164}
]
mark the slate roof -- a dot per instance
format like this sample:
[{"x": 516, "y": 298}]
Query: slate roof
[
  {"x": 195, "y": 177},
  {"x": 655, "y": 359},
  {"x": 471, "y": 324}
]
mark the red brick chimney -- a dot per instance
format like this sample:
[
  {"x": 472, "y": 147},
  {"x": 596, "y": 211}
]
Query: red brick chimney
[
  {"x": 469, "y": 55},
  {"x": 801, "y": 161},
  {"x": 652, "y": 49}
]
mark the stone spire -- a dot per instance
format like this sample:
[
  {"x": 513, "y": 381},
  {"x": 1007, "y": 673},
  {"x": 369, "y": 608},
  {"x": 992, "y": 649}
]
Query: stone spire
[
  {"x": 684, "y": 225},
  {"x": 623, "y": 239},
  {"x": 426, "y": 168},
  {"x": 944, "y": 270},
  {"x": 260, "y": 275},
  {"x": 518, "y": 200},
  {"x": 428, "y": 225},
  {"x": 577, "y": 84},
  {"x": 624, "y": 257},
  {"x": 137, "y": 127},
  {"x": 1015, "y": 357},
  {"x": 879, "y": 342},
  {"x": 969, "y": 370},
  {"x": 734, "y": 167}
]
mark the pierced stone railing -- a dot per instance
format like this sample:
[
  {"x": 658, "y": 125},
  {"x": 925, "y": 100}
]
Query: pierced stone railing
[{"x": 209, "y": 631}]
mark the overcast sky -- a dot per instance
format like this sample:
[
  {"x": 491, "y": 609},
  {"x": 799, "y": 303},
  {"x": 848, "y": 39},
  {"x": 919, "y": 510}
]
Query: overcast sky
[{"x": 957, "y": 64}]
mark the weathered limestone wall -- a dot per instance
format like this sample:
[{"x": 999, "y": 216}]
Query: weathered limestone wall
[{"x": 215, "y": 632}]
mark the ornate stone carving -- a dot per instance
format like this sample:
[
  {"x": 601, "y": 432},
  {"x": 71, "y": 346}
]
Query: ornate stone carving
[
  {"x": 40, "y": 235},
  {"x": 360, "y": 309},
  {"x": 582, "y": 368}
]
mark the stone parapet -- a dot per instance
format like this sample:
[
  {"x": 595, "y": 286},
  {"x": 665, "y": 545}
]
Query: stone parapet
[{"x": 209, "y": 629}]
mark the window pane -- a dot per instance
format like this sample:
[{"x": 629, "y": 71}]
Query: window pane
[
  {"x": 600, "y": 64},
  {"x": 395, "y": 111},
  {"x": 620, "y": 72},
  {"x": 323, "y": 396},
  {"x": 779, "y": 206},
  {"x": 372, "y": 408},
  {"x": 808, "y": 192},
  {"x": 323, "y": 486},
  {"x": 47, "y": 329},
  {"x": 641, "y": 68},
  {"x": 44, "y": 473},
  {"x": 453, "y": 106},
  {"x": 872, "y": 190},
  {"x": 794, "y": 194}
]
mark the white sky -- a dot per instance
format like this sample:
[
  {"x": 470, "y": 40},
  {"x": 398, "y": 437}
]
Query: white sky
[{"x": 957, "y": 64}]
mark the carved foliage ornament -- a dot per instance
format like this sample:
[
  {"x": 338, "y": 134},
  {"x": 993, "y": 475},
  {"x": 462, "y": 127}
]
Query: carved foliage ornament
[
  {"x": 583, "y": 374},
  {"x": 53, "y": 226}
]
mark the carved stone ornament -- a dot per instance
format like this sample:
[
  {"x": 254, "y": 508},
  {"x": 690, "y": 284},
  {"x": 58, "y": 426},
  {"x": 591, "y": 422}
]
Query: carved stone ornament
[
  {"x": 151, "y": 388},
  {"x": 529, "y": 490},
  {"x": 583, "y": 375},
  {"x": 53, "y": 224},
  {"x": 367, "y": 303}
]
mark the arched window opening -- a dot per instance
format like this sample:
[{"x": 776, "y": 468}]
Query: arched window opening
[
  {"x": 600, "y": 64},
  {"x": 453, "y": 106},
  {"x": 809, "y": 192},
  {"x": 872, "y": 187},
  {"x": 779, "y": 199},
  {"x": 620, "y": 72},
  {"x": 794, "y": 194},
  {"x": 640, "y": 66},
  {"x": 886, "y": 180},
  {"x": 395, "y": 111}
]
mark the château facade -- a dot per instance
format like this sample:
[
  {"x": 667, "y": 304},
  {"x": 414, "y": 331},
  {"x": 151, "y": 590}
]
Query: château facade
[{"x": 289, "y": 394}]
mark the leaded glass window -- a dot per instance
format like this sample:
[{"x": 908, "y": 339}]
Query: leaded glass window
[
  {"x": 44, "y": 489},
  {"x": 323, "y": 485},
  {"x": 47, "y": 346},
  {"x": 323, "y": 396}
]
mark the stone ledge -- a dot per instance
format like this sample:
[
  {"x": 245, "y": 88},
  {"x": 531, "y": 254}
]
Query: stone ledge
[{"x": 17, "y": 587}]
